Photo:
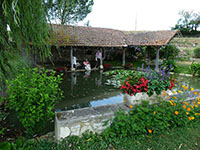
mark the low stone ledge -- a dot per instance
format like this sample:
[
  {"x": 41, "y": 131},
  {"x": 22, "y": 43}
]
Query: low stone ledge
[{"x": 75, "y": 122}]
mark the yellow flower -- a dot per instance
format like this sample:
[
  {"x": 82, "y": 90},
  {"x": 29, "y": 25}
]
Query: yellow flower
[
  {"x": 188, "y": 109},
  {"x": 184, "y": 106},
  {"x": 179, "y": 91},
  {"x": 124, "y": 101},
  {"x": 174, "y": 92},
  {"x": 187, "y": 113},
  {"x": 185, "y": 87},
  {"x": 171, "y": 102},
  {"x": 189, "y": 118},
  {"x": 196, "y": 105},
  {"x": 196, "y": 114},
  {"x": 195, "y": 93},
  {"x": 199, "y": 94},
  {"x": 193, "y": 102},
  {"x": 176, "y": 112},
  {"x": 154, "y": 112},
  {"x": 150, "y": 131},
  {"x": 192, "y": 118},
  {"x": 192, "y": 89},
  {"x": 198, "y": 98},
  {"x": 192, "y": 106},
  {"x": 174, "y": 97},
  {"x": 131, "y": 106}
]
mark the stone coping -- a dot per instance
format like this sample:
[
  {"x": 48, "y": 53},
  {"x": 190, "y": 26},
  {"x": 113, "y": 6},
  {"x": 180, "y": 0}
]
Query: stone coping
[{"x": 90, "y": 111}]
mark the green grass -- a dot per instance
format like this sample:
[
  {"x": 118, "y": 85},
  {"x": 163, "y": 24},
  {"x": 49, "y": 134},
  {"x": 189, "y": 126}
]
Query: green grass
[
  {"x": 184, "y": 138},
  {"x": 183, "y": 69}
]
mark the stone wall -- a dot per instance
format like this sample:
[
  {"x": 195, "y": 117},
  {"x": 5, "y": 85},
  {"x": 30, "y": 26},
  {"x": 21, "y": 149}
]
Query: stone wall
[{"x": 75, "y": 122}]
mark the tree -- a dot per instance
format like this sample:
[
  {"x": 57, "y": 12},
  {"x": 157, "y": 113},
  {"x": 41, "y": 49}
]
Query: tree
[
  {"x": 29, "y": 30},
  {"x": 189, "y": 22},
  {"x": 70, "y": 11}
]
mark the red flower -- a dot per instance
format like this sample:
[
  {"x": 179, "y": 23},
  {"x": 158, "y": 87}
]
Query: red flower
[{"x": 172, "y": 85}]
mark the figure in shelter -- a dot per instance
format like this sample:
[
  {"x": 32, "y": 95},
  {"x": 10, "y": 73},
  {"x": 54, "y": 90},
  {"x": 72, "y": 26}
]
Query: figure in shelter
[
  {"x": 98, "y": 58},
  {"x": 74, "y": 62},
  {"x": 87, "y": 65}
]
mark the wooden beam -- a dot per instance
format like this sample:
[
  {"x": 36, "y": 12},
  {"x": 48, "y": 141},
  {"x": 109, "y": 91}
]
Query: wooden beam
[
  {"x": 123, "y": 57},
  {"x": 71, "y": 56},
  {"x": 157, "y": 58},
  {"x": 101, "y": 60}
]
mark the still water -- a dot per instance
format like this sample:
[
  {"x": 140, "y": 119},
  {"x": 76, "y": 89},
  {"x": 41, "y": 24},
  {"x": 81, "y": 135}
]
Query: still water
[{"x": 87, "y": 89}]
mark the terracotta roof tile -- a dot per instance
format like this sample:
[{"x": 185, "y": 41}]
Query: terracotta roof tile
[
  {"x": 150, "y": 38},
  {"x": 88, "y": 36},
  {"x": 104, "y": 37}
]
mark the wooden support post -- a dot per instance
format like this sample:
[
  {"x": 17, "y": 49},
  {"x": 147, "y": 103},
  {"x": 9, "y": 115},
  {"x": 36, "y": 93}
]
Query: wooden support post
[
  {"x": 123, "y": 58},
  {"x": 101, "y": 60},
  {"x": 157, "y": 59},
  {"x": 71, "y": 56}
]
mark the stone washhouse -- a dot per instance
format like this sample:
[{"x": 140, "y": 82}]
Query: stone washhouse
[{"x": 83, "y": 42}]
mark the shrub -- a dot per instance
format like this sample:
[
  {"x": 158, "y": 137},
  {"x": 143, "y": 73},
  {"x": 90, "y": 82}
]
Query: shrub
[
  {"x": 195, "y": 69},
  {"x": 33, "y": 96},
  {"x": 147, "y": 80},
  {"x": 169, "y": 62},
  {"x": 197, "y": 52},
  {"x": 2, "y": 116},
  {"x": 170, "y": 52},
  {"x": 148, "y": 119}
]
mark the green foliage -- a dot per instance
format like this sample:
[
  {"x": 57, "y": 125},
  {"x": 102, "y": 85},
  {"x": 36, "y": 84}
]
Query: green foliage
[
  {"x": 27, "y": 21},
  {"x": 2, "y": 116},
  {"x": 70, "y": 12},
  {"x": 197, "y": 52},
  {"x": 188, "y": 23},
  {"x": 172, "y": 62},
  {"x": 195, "y": 69},
  {"x": 169, "y": 52},
  {"x": 33, "y": 96},
  {"x": 19, "y": 144},
  {"x": 157, "y": 85},
  {"x": 118, "y": 77},
  {"x": 172, "y": 139},
  {"x": 157, "y": 81}
]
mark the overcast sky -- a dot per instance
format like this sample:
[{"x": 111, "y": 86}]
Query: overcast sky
[{"x": 138, "y": 14}]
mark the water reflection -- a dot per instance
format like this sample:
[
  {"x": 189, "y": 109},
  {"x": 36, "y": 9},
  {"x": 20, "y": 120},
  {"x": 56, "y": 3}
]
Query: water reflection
[
  {"x": 193, "y": 82},
  {"x": 87, "y": 89}
]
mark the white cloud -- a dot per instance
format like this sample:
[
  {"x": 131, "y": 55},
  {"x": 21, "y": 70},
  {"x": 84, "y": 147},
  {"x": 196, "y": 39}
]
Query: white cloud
[{"x": 151, "y": 14}]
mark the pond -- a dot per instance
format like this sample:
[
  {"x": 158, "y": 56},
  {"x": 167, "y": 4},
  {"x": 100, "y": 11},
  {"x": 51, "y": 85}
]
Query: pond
[{"x": 87, "y": 89}]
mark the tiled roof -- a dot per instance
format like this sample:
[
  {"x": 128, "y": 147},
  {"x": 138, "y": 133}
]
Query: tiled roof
[
  {"x": 104, "y": 37},
  {"x": 88, "y": 36},
  {"x": 150, "y": 38}
]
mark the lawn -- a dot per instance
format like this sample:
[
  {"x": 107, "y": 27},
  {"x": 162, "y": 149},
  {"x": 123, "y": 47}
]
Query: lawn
[{"x": 184, "y": 138}]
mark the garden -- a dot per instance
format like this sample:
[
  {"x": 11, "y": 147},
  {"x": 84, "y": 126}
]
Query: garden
[
  {"x": 145, "y": 123},
  {"x": 168, "y": 120}
]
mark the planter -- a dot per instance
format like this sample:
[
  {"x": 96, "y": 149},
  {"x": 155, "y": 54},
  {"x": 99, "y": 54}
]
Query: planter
[{"x": 139, "y": 97}]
